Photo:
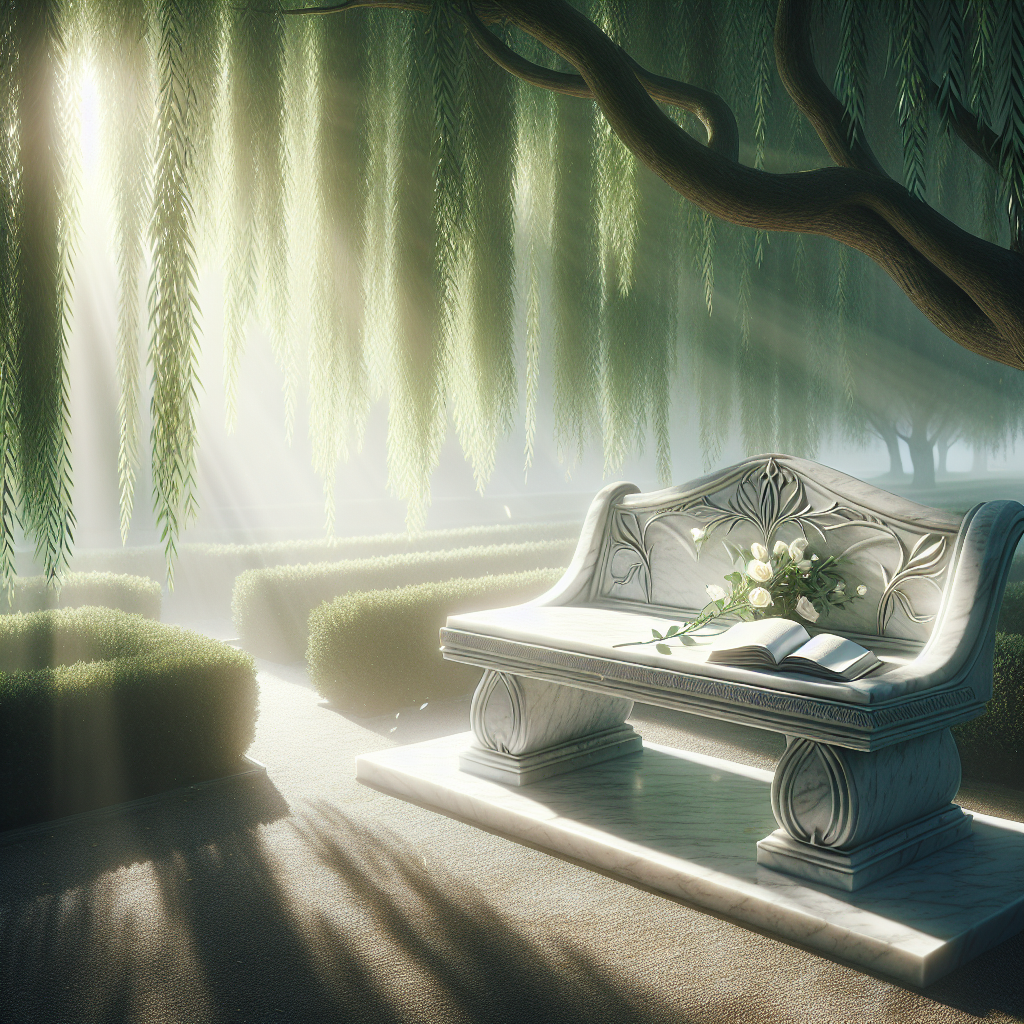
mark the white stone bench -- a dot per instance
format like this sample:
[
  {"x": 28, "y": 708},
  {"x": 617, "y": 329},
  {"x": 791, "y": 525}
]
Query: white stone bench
[{"x": 866, "y": 782}]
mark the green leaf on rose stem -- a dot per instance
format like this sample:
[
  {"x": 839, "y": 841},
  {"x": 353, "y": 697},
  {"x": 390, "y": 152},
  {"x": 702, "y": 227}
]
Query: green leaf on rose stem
[
  {"x": 672, "y": 630},
  {"x": 686, "y": 641},
  {"x": 663, "y": 648},
  {"x": 734, "y": 577},
  {"x": 656, "y": 635}
]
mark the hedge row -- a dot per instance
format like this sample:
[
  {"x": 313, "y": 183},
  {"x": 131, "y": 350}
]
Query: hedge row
[
  {"x": 106, "y": 589},
  {"x": 98, "y": 706},
  {"x": 374, "y": 652},
  {"x": 993, "y": 744},
  {"x": 1011, "y": 613},
  {"x": 271, "y": 607},
  {"x": 205, "y": 573}
]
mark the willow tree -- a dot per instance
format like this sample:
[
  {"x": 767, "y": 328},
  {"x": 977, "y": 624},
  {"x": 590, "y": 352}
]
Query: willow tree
[{"x": 438, "y": 202}]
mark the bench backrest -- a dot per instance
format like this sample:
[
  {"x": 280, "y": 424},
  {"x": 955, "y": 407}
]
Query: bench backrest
[{"x": 899, "y": 550}]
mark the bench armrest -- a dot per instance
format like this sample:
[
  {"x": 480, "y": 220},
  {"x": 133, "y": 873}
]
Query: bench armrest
[
  {"x": 962, "y": 639},
  {"x": 578, "y": 582}
]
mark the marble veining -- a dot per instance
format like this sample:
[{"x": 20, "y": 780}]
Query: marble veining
[
  {"x": 843, "y": 798},
  {"x": 645, "y": 817},
  {"x": 518, "y": 715}
]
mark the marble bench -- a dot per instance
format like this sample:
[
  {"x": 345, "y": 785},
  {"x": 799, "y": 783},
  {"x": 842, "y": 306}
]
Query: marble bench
[{"x": 870, "y": 768}]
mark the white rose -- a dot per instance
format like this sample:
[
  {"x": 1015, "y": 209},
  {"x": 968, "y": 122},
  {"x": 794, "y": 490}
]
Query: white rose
[
  {"x": 797, "y": 549},
  {"x": 760, "y": 571},
  {"x": 697, "y": 533},
  {"x": 805, "y": 609},
  {"x": 839, "y": 587},
  {"x": 715, "y": 592},
  {"x": 861, "y": 590},
  {"x": 759, "y": 551},
  {"x": 759, "y": 598},
  {"x": 781, "y": 548},
  {"x": 814, "y": 558},
  {"x": 804, "y": 564}
]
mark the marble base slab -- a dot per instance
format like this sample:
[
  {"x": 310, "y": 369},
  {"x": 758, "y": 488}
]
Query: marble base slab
[{"x": 688, "y": 825}]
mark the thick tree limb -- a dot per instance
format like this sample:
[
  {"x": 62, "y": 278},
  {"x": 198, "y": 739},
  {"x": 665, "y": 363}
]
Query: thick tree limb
[
  {"x": 815, "y": 100},
  {"x": 714, "y": 113},
  {"x": 972, "y": 290}
]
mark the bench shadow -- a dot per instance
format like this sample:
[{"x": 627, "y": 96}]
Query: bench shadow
[
  {"x": 363, "y": 933},
  {"x": 368, "y": 936},
  {"x": 482, "y": 966}
]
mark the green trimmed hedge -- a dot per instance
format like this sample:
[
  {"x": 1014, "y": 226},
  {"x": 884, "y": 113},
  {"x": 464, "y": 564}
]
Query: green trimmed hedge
[
  {"x": 993, "y": 745},
  {"x": 375, "y": 652},
  {"x": 204, "y": 574},
  {"x": 270, "y": 607},
  {"x": 106, "y": 589},
  {"x": 1016, "y": 574},
  {"x": 1011, "y": 612},
  {"x": 98, "y": 706}
]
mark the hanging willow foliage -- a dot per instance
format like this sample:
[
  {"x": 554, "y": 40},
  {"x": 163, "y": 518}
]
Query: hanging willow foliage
[
  {"x": 377, "y": 190},
  {"x": 534, "y": 191},
  {"x": 123, "y": 45},
  {"x": 173, "y": 349},
  {"x": 615, "y": 175},
  {"x": 337, "y": 370},
  {"x": 46, "y": 208},
  {"x": 9, "y": 291},
  {"x": 417, "y": 377},
  {"x": 484, "y": 388},
  {"x": 909, "y": 33},
  {"x": 258, "y": 261},
  {"x": 576, "y": 279}
]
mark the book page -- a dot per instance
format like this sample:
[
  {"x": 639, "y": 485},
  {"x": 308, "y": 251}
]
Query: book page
[
  {"x": 831, "y": 652},
  {"x": 777, "y": 636}
]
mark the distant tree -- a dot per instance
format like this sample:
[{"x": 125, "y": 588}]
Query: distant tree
[{"x": 911, "y": 384}]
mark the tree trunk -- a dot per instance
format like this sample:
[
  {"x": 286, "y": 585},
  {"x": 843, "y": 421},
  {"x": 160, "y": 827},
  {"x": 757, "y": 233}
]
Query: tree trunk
[
  {"x": 892, "y": 442},
  {"x": 942, "y": 447},
  {"x": 922, "y": 456},
  {"x": 979, "y": 463}
]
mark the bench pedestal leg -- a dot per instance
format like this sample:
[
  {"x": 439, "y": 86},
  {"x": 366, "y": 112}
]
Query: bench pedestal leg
[
  {"x": 850, "y": 817},
  {"x": 526, "y": 729}
]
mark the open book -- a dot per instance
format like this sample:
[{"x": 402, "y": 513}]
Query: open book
[{"x": 783, "y": 644}]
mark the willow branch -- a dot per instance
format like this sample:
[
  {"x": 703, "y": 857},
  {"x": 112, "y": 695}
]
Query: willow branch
[
  {"x": 714, "y": 113},
  {"x": 973, "y": 132},
  {"x": 813, "y": 98}
]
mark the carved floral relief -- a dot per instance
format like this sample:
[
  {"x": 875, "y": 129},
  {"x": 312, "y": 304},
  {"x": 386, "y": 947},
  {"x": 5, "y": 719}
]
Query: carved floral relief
[{"x": 653, "y": 558}]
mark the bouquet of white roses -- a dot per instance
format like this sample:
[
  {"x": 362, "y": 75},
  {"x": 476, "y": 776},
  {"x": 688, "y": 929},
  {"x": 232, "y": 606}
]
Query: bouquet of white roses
[{"x": 790, "y": 582}]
